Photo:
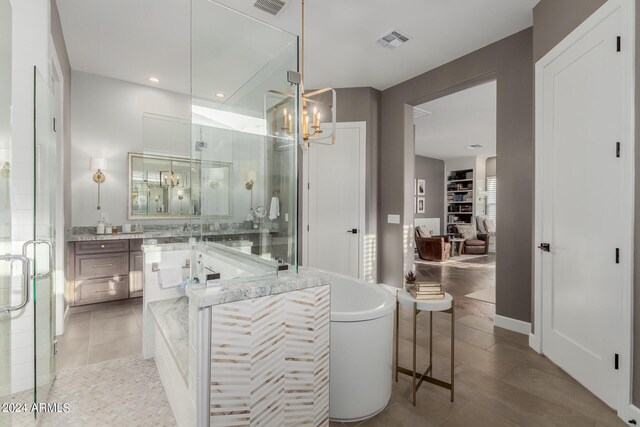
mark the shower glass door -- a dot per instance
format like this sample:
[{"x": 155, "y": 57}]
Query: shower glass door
[
  {"x": 41, "y": 249},
  {"x": 27, "y": 174}
]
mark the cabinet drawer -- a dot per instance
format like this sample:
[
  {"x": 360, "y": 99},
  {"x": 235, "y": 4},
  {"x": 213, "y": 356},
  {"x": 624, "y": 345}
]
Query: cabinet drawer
[
  {"x": 102, "y": 246},
  {"x": 103, "y": 265},
  {"x": 101, "y": 290}
]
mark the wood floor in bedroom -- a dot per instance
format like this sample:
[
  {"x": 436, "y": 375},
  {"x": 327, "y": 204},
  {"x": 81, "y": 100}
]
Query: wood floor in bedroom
[{"x": 499, "y": 380}]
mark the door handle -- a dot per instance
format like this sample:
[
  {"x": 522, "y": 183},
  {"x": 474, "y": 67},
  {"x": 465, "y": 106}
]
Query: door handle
[
  {"x": 353, "y": 231},
  {"x": 26, "y": 269},
  {"x": 35, "y": 243},
  {"x": 546, "y": 247}
]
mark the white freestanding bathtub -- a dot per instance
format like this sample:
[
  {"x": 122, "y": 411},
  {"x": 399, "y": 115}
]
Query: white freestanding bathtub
[{"x": 362, "y": 317}]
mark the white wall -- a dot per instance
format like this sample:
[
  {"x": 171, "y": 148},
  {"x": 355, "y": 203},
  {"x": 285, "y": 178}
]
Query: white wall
[
  {"x": 107, "y": 121},
  {"x": 246, "y": 152},
  {"x": 30, "y": 46}
]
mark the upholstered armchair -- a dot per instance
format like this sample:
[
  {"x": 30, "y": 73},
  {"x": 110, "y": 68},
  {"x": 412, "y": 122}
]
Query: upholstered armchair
[
  {"x": 474, "y": 243},
  {"x": 433, "y": 248}
]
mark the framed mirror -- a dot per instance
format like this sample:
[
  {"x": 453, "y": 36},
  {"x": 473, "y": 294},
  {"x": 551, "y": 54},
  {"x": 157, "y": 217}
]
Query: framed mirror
[{"x": 166, "y": 187}]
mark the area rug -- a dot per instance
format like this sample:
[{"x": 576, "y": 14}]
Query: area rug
[
  {"x": 454, "y": 260},
  {"x": 486, "y": 295}
]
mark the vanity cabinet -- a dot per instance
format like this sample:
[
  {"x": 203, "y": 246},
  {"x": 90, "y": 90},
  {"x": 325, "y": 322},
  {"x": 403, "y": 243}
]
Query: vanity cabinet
[
  {"x": 136, "y": 264},
  {"x": 104, "y": 270}
]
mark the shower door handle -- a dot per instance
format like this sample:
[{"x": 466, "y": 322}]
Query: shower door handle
[
  {"x": 26, "y": 269},
  {"x": 35, "y": 243}
]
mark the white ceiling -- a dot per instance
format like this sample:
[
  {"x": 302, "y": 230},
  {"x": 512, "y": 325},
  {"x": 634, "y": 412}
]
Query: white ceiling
[
  {"x": 131, "y": 40},
  {"x": 457, "y": 121}
]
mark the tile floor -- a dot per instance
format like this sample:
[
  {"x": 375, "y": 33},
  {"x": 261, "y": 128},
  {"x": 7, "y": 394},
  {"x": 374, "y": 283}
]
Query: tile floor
[
  {"x": 104, "y": 332},
  {"x": 118, "y": 392},
  {"x": 499, "y": 380}
]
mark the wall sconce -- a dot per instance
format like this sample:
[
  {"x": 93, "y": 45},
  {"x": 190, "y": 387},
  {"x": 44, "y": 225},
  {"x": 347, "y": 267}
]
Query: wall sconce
[
  {"x": 98, "y": 164},
  {"x": 180, "y": 197},
  {"x": 251, "y": 179}
]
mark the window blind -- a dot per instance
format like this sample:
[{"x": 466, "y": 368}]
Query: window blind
[{"x": 491, "y": 197}]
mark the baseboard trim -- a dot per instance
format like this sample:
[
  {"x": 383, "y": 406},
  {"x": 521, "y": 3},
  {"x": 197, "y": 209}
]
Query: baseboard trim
[
  {"x": 534, "y": 343},
  {"x": 632, "y": 413},
  {"x": 513, "y": 325}
]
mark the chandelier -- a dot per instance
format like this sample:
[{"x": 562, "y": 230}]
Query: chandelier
[
  {"x": 316, "y": 105},
  {"x": 317, "y": 110}
]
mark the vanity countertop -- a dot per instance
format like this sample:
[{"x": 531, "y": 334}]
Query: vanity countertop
[
  {"x": 87, "y": 234},
  {"x": 243, "y": 288}
]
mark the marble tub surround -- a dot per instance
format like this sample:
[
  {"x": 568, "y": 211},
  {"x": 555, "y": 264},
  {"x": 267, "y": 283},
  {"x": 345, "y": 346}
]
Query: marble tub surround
[
  {"x": 222, "y": 292},
  {"x": 195, "y": 260},
  {"x": 270, "y": 360},
  {"x": 210, "y": 257},
  {"x": 172, "y": 318},
  {"x": 257, "y": 319},
  {"x": 171, "y": 256},
  {"x": 230, "y": 263},
  {"x": 81, "y": 234}
]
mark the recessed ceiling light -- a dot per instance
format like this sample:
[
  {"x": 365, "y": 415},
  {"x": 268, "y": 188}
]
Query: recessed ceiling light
[
  {"x": 220, "y": 95},
  {"x": 474, "y": 146},
  {"x": 154, "y": 80}
]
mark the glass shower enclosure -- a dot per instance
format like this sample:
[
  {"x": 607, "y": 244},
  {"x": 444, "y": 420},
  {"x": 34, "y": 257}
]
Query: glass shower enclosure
[
  {"x": 28, "y": 176},
  {"x": 244, "y": 133}
]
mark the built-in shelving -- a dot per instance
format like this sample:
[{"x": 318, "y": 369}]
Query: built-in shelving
[{"x": 459, "y": 189}]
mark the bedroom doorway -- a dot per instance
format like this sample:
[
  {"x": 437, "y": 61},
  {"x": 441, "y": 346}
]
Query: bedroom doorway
[{"x": 455, "y": 197}]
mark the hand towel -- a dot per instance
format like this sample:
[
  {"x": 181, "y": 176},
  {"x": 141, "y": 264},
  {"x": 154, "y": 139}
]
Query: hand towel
[
  {"x": 169, "y": 277},
  {"x": 274, "y": 210}
]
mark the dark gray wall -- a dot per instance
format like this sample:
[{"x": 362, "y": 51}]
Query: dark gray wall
[
  {"x": 63, "y": 57},
  {"x": 362, "y": 104},
  {"x": 636, "y": 264},
  {"x": 490, "y": 166},
  {"x": 553, "y": 20},
  {"x": 510, "y": 62},
  {"x": 432, "y": 171}
]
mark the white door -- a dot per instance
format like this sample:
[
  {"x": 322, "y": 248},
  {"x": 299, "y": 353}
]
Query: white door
[
  {"x": 335, "y": 202},
  {"x": 583, "y": 209}
]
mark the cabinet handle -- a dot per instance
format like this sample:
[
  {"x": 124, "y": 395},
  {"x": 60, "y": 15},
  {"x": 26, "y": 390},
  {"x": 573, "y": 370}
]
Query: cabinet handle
[
  {"x": 102, "y": 265},
  {"x": 104, "y": 290}
]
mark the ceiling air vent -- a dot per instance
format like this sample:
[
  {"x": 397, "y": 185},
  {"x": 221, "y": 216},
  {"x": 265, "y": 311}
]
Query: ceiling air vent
[
  {"x": 392, "y": 40},
  {"x": 270, "y": 6}
]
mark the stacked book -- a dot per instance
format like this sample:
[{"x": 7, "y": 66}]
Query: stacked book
[{"x": 423, "y": 291}]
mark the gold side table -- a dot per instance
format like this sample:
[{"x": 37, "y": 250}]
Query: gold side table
[{"x": 445, "y": 305}]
